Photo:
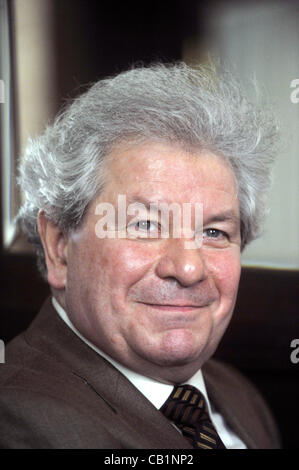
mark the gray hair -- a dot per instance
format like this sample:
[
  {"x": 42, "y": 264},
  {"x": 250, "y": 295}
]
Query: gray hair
[{"x": 63, "y": 170}]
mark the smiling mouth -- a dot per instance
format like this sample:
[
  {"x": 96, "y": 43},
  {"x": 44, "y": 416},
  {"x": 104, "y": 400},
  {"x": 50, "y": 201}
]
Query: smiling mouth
[{"x": 173, "y": 307}]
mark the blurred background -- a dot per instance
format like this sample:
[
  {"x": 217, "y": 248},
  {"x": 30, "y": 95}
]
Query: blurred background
[{"x": 50, "y": 50}]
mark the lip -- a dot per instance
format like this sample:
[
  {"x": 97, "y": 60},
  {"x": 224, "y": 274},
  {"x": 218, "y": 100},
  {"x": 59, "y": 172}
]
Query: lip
[{"x": 174, "y": 307}]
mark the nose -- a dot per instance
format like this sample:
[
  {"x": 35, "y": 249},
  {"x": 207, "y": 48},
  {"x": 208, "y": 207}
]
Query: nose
[{"x": 185, "y": 265}]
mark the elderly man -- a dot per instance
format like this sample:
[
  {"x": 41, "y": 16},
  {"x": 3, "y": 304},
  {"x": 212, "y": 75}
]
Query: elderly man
[{"x": 119, "y": 356}]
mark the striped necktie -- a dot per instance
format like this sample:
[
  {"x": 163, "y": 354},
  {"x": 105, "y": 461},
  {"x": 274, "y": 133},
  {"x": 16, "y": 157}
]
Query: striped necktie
[{"x": 187, "y": 409}]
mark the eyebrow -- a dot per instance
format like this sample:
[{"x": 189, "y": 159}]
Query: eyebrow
[
  {"x": 223, "y": 216},
  {"x": 146, "y": 202}
]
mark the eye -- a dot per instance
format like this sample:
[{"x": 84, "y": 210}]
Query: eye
[
  {"x": 215, "y": 234},
  {"x": 144, "y": 228},
  {"x": 146, "y": 225}
]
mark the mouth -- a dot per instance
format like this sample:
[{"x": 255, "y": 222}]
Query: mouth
[{"x": 174, "y": 307}]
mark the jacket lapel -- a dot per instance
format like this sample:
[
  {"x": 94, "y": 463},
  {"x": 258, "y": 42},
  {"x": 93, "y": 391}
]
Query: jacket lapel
[{"x": 237, "y": 401}]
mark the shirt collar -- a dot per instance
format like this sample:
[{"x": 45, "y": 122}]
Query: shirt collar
[{"x": 156, "y": 392}]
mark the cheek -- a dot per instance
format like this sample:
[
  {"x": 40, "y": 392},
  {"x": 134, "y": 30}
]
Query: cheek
[
  {"x": 123, "y": 263},
  {"x": 225, "y": 269}
]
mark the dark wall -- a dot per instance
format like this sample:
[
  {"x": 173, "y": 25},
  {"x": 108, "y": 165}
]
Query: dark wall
[{"x": 96, "y": 38}]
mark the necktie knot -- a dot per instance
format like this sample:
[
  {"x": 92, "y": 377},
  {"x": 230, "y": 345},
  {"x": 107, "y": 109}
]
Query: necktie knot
[{"x": 187, "y": 408}]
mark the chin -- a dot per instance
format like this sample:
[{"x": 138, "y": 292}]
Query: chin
[{"x": 179, "y": 347}]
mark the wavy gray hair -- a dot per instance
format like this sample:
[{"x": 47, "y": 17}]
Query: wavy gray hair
[{"x": 63, "y": 170}]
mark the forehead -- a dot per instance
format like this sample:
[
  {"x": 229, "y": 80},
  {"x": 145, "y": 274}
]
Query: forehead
[{"x": 168, "y": 170}]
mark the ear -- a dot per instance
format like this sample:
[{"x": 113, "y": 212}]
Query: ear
[{"x": 55, "y": 243}]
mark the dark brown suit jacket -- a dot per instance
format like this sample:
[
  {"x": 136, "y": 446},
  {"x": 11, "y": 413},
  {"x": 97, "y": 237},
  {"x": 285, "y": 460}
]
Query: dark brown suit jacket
[{"x": 56, "y": 392}]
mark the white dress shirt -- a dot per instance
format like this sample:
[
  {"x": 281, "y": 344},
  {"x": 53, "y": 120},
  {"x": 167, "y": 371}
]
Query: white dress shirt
[{"x": 158, "y": 392}]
